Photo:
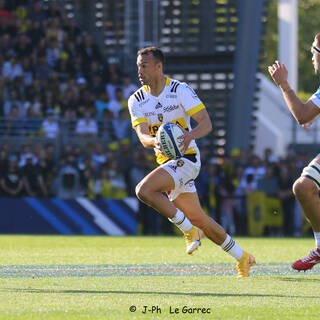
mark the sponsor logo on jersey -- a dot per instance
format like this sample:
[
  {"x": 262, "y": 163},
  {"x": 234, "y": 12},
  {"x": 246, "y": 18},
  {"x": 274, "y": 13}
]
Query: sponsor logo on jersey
[
  {"x": 149, "y": 114},
  {"x": 172, "y": 167},
  {"x": 158, "y": 106},
  {"x": 170, "y": 108},
  {"x": 143, "y": 102},
  {"x": 172, "y": 96},
  {"x": 180, "y": 163},
  {"x": 160, "y": 117}
]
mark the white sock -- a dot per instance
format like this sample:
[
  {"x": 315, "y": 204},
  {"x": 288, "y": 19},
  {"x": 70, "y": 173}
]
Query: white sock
[
  {"x": 230, "y": 246},
  {"x": 317, "y": 238},
  {"x": 181, "y": 221}
]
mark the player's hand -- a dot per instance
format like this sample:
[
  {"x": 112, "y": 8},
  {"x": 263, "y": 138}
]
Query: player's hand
[
  {"x": 157, "y": 146},
  {"x": 278, "y": 72},
  {"x": 185, "y": 139},
  {"x": 306, "y": 126}
]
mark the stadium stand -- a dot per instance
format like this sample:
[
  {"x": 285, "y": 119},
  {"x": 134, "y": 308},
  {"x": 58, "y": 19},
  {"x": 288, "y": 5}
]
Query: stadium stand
[{"x": 64, "y": 126}]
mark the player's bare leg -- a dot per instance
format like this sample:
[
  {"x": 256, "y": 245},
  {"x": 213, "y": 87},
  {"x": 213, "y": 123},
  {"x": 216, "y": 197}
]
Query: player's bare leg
[
  {"x": 189, "y": 203},
  {"x": 307, "y": 194},
  {"x": 150, "y": 191}
]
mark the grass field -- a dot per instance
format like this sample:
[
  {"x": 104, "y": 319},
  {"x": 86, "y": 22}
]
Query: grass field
[{"x": 49, "y": 277}]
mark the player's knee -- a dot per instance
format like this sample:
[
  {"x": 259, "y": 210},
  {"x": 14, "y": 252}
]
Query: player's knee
[
  {"x": 141, "y": 192},
  {"x": 304, "y": 188},
  {"x": 198, "y": 221}
]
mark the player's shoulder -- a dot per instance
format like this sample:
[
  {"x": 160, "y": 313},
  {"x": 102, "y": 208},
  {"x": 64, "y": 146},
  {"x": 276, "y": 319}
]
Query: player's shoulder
[
  {"x": 183, "y": 88},
  {"x": 173, "y": 84},
  {"x": 139, "y": 95}
]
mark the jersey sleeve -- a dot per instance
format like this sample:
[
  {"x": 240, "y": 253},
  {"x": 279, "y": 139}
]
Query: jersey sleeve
[
  {"x": 136, "y": 114},
  {"x": 315, "y": 98},
  {"x": 189, "y": 99}
]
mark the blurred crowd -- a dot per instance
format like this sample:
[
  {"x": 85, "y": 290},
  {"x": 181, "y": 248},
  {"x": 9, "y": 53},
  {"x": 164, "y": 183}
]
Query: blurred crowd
[
  {"x": 51, "y": 69},
  {"x": 224, "y": 184},
  {"x": 52, "y": 73},
  {"x": 96, "y": 170}
]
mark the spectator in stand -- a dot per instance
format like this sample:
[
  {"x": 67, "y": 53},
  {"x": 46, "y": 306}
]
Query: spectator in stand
[
  {"x": 99, "y": 155},
  {"x": 3, "y": 161},
  {"x": 128, "y": 87},
  {"x": 255, "y": 169},
  {"x": 33, "y": 179},
  {"x": 36, "y": 14},
  {"x": 27, "y": 153},
  {"x": 11, "y": 180},
  {"x": 89, "y": 50},
  {"x": 14, "y": 125},
  {"x": 87, "y": 127},
  {"x": 96, "y": 85},
  {"x": 118, "y": 103},
  {"x": 35, "y": 33},
  {"x": 249, "y": 185},
  {"x": 35, "y": 89},
  {"x": 228, "y": 202},
  {"x": 54, "y": 11},
  {"x": 112, "y": 85},
  {"x": 4, "y": 10},
  {"x": 32, "y": 123},
  {"x": 50, "y": 125},
  {"x": 269, "y": 157},
  {"x": 7, "y": 28},
  {"x": 42, "y": 68},
  {"x": 27, "y": 71},
  {"x": 122, "y": 125},
  {"x": 54, "y": 30},
  {"x": 12, "y": 68},
  {"x": 207, "y": 183},
  {"x": 23, "y": 46},
  {"x": 67, "y": 184},
  {"x": 101, "y": 104},
  {"x": 269, "y": 182},
  {"x": 148, "y": 217}
]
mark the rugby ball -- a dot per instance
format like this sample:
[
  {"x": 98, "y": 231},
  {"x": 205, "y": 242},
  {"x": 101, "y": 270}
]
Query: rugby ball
[{"x": 167, "y": 136}]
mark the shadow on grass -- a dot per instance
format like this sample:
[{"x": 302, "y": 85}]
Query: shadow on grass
[
  {"x": 298, "y": 279},
  {"x": 193, "y": 294}
]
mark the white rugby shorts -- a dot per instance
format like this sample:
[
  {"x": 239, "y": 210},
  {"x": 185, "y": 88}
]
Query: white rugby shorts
[{"x": 183, "y": 172}]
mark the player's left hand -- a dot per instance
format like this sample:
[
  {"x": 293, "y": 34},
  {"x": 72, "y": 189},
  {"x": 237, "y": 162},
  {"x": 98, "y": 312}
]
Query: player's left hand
[
  {"x": 306, "y": 126},
  {"x": 186, "y": 138},
  {"x": 278, "y": 72}
]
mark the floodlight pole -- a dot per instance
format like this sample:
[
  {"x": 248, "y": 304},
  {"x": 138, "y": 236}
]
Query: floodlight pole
[{"x": 287, "y": 47}]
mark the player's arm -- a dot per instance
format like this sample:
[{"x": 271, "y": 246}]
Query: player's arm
[
  {"x": 203, "y": 127},
  {"x": 302, "y": 112},
  {"x": 144, "y": 136},
  {"x": 197, "y": 111}
]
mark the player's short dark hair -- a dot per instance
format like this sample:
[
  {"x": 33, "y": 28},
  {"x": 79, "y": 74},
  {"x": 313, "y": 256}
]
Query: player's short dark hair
[{"x": 155, "y": 51}]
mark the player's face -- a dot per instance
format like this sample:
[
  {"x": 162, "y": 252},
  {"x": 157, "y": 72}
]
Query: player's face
[
  {"x": 148, "y": 68},
  {"x": 315, "y": 57}
]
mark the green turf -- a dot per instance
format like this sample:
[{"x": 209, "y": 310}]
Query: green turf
[{"x": 46, "y": 277}]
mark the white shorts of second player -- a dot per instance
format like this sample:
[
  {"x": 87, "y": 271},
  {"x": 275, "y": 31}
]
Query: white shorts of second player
[{"x": 183, "y": 172}]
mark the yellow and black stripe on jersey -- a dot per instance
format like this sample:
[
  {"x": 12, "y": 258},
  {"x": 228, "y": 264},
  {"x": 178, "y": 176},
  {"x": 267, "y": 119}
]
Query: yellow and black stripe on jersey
[{"x": 139, "y": 95}]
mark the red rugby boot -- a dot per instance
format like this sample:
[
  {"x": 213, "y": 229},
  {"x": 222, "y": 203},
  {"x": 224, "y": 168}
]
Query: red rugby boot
[{"x": 308, "y": 262}]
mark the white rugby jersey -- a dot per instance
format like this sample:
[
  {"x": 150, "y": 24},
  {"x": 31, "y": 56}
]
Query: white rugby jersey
[
  {"x": 176, "y": 103},
  {"x": 315, "y": 98}
]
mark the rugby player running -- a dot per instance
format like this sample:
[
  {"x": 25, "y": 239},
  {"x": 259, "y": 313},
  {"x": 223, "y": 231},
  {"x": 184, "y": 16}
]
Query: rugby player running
[
  {"x": 306, "y": 188},
  {"x": 161, "y": 100}
]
